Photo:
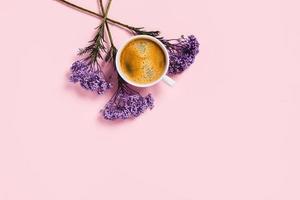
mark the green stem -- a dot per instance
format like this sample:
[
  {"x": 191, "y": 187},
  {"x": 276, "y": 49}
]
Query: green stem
[
  {"x": 95, "y": 14},
  {"x": 106, "y": 13},
  {"x": 106, "y": 24}
]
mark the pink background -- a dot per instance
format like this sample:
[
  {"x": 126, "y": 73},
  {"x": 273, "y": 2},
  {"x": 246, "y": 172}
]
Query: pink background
[{"x": 229, "y": 130}]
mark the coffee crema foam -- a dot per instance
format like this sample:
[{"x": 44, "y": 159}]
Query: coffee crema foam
[{"x": 142, "y": 61}]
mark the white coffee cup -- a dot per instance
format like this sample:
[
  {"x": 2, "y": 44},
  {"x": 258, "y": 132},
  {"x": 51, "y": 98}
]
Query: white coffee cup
[{"x": 163, "y": 77}]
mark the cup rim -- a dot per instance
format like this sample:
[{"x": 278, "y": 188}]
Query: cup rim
[{"x": 161, "y": 45}]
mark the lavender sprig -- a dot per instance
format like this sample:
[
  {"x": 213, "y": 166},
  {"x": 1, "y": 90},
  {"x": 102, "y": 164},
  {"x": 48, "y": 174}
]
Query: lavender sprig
[
  {"x": 97, "y": 46},
  {"x": 126, "y": 103},
  {"x": 89, "y": 78},
  {"x": 113, "y": 50},
  {"x": 182, "y": 52},
  {"x": 87, "y": 71}
]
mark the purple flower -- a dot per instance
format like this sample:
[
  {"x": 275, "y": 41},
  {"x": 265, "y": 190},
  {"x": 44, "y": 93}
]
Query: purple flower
[
  {"x": 126, "y": 103},
  {"x": 182, "y": 53},
  {"x": 89, "y": 78}
]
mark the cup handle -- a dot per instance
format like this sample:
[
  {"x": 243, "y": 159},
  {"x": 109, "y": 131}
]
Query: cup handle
[{"x": 169, "y": 81}]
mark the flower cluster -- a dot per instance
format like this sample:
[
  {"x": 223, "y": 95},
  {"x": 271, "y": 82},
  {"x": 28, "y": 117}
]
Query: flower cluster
[
  {"x": 89, "y": 78},
  {"x": 126, "y": 103},
  {"x": 182, "y": 53}
]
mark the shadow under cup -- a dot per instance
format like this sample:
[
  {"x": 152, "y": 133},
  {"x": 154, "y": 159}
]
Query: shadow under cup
[{"x": 142, "y": 61}]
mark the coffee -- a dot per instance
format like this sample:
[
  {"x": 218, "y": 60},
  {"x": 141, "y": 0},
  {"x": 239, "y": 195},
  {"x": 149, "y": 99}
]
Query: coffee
[{"x": 142, "y": 61}]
